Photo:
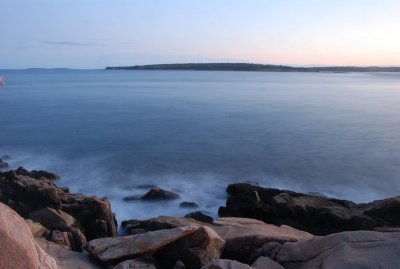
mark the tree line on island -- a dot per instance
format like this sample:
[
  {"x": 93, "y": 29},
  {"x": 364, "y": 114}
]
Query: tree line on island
[{"x": 253, "y": 67}]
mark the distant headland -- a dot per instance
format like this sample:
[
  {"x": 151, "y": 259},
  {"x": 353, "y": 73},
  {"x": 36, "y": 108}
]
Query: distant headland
[{"x": 253, "y": 67}]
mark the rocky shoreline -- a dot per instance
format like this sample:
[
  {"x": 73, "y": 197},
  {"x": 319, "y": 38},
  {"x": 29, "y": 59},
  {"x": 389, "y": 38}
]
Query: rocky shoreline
[{"x": 45, "y": 226}]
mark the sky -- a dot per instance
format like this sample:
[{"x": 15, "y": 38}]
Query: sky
[{"x": 99, "y": 33}]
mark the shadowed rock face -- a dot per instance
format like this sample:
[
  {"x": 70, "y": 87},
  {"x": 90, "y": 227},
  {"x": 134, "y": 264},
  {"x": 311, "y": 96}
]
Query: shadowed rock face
[
  {"x": 318, "y": 215},
  {"x": 38, "y": 198},
  {"x": 194, "y": 250}
]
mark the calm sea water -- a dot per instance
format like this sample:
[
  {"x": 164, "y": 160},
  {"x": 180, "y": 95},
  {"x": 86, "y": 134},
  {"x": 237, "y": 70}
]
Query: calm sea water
[{"x": 107, "y": 132}]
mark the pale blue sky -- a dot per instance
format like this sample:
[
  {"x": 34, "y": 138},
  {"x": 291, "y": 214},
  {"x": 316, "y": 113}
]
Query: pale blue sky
[{"x": 98, "y": 33}]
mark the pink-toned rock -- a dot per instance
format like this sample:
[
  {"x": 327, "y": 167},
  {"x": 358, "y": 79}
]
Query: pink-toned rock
[
  {"x": 37, "y": 229},
  {"x": 67, "y": 259},
  {"x": 194, "y": 250},
  {"x": 124, "y": 247},
  {"x": 18, "y": 250},
  {"x": 355, "y": 250},
  {"x": 243, "y": 236}
]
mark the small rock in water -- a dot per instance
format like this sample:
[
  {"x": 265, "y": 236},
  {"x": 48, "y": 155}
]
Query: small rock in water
[
  {"x": 3, "y": 165},
  {"x": 198, "y": 215},
  {"x": 159, "y": 194},
  {"x": 189, "y": 205},
  {"x": 5, "y": 157},
  {"x": 146, "y": 186},
  {"x": 132, "y": 198}
]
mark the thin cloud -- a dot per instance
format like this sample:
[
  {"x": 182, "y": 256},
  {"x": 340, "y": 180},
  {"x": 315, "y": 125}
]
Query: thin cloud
[{"x": 70, "y": 43}]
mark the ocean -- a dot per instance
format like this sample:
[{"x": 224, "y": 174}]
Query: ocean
[{"x": 108, "y": 133}]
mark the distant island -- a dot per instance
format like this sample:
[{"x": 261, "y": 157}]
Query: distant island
[{"x": 253, "y": 67}]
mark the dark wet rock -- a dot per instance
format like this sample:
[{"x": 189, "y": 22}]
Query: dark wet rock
[
  {"x": 164, "y": 222},
  {"x": 194, "y": 250},
  {"x": 315, "y": 214},
  {"x": 38, "y": 174},
  {"x": 269, "y": 249},
  {"x": 200, "y": 216},
  {"x": 4, "y": 165},
  {"x": 179, "y": 265},
  {"x": 159, "y": 194},
  {"x": 26, "y": 194},
  {"x": 146, "y": 186},
  {"x": 188, "y": 205},
  {"x": 5, "y": 157},
  {"x": 131, "y": 227},
  {"x": 43, "y": 174},
  {"x": 132, "y": 198}
]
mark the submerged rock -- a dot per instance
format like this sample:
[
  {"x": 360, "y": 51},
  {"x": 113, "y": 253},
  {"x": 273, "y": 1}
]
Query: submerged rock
[
  {"x": 188, "y": 205},
  {"x": 200, "y": 216},
  {"x": 315, "y": 214},
  {"x": 159, "y": 194},
  {"x": 5, "y": 157},
  {"x": 4, "y": 165}
]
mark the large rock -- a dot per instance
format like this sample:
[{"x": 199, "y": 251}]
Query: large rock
[
  {"x": 194, "y": 250},
  {"x": 53, "y": 218},
  {"x": 266, "y": 263},
  {"x": 18, "y": 249},
  {"x": 226, "y": 264},
  {"x": 315, "y": 214},
  {"x": 26, "y": 194},
  {"x": 244, "y": 236},
  {"x": 164, "y": 222},
  {"x": 67, "y": 259},
  {"x": 355, "y": 250},
  {"x": 124, "y": 247}
]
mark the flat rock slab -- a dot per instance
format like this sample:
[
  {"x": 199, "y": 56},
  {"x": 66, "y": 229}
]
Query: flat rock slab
[
  {"x": 355, "y": 250},
  {"x": 131, "y": 246},
  {"x": 234, "y": 228},
  {"x": 67, "y": 259},
  {"x": 244, "y": 236}
]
